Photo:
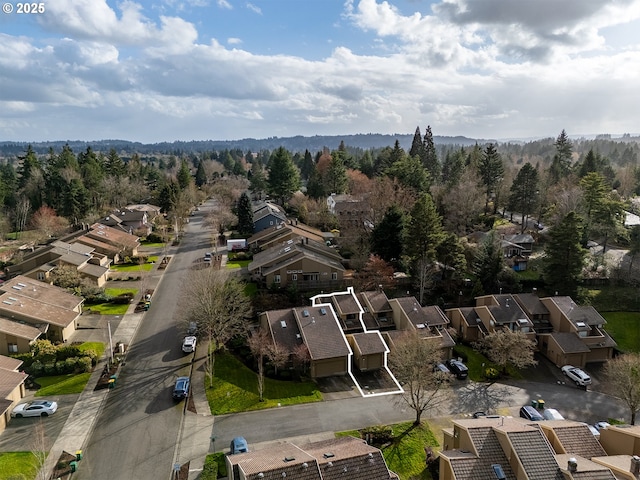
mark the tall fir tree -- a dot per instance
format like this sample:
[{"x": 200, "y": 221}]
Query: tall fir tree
[
  {"x": 245, "y": 215},
  {"x": 201, "y": 175},
  {"x": 431, "y": 162},
  {"x": 561, "y": 163},
  {"x": 284, "y": 178},
  {"x": 387, "y": 236},
  {"x": 524, "y": 193},
  {"x": 564, "y": 255},
  {"x": 491, "y": 170},
  {"x": 424, "y": 231}
]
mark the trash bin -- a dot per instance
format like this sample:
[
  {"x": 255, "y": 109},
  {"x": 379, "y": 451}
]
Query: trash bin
[
  {"x": 112, "y": 381},
  {"x": 79, "y": 455},
  {"x": 73, "y": 466},
  {"x": 534, "y": 403},
  {"x": 540, "y": 404}
]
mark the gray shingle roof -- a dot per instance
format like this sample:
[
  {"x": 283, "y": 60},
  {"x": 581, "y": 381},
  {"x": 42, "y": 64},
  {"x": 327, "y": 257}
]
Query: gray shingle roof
[
  {"x": 535, "y": 454},
  {"x": 577, "y": 439},
  {"x": 369, "y": 343},
  {"x": 322, "y": 333},
  {"x": 569, "y": 342}
]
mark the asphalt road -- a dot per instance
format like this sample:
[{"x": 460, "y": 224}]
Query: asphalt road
[{"x": 138, "y": 428}]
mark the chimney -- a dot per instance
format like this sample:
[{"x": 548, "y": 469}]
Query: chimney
[
  {"x": 572, "y": 465},
  {"x": 635, "y": 466}
]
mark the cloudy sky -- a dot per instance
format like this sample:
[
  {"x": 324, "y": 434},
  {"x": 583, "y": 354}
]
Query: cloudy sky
[{"x": 164, "y": 70}]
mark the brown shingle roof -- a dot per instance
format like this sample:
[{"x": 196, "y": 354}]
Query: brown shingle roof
[
  {"x": 286, "y": 334},
  {"x": 569, "y": 342},
  {"x": 113, "y": 236},
  {"x": 42, "y": 292},
  {"x": 9, "y": 380},
  {"x": 274, "y": 461},
  {"x": 9, "y": 363},
  {"x": 535, "y": 454},
  {"x": 377, "y": 300},
  {"x": 577, "y": 439},
  {"x": 369, "y": 343},
  {"x": 22, "y": 330},
  {"x": 25, "y": 307},
  {"x": 531, "y": 303},
  {"x": 322, "y": 333}
]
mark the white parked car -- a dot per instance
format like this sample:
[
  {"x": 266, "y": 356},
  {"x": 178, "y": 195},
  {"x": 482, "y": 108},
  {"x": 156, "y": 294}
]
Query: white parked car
[
  {"x": 579, "y": 376},
  {"x": 37, "y": 408},
  {"x": 189, "y": 344},
  {"x": 552, "y": 414}
]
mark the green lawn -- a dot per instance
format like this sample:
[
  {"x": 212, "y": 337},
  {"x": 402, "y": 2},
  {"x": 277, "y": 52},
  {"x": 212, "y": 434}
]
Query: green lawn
[
  {"x": 136, "y": 267},
  {"x": 62, "y": 384},
  {"x": 152, "y": 244},
  {"x": 405, "y": 453},
  {"x": 615, "y": 299},
  {"x": 624, "y": 327},
  {"x": 235, "y": 389},
  {"x": 97, "y": 347},
  {"x": 18, "y": 465},
  {"x": 238, "y": 263},
  {"x": 109, "y": 308}
]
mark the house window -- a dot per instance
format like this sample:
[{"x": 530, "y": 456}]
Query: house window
[
  {"x": 12, "y": 347},
  {"x": 40, "y": 276},
  {"x": 276, "y": 278},
  {"x": 334, "y": 276},
  {"x": 294, "y": 276},
  {"x": 311, "y": 277},
  {"x": 271, "y": 222}
]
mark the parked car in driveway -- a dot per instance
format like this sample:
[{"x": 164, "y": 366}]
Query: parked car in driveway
[
  {"x": 441, "y": 367},
  {"x": 530, "y": 413},
  {"x": 458, "y": 368},
  {"x": 37, "y": 408},
  {"x": 577, "y": 375},
  {"x": 181, "y": 388}
]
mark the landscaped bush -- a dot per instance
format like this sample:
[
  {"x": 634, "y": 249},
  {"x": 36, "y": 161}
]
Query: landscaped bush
[
  {"x": 48, "y": 359},
  {"x": 123, "y": 298},
  {"x": 378, "y": 434},
  {"x": 155, "y": 237},
  {"x": 209, "y": 469}
]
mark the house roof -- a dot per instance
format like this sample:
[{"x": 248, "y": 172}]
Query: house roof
[
  {"x": 370, "y": 343},
  {"x": 9, "y": 380},
  {"x": 276, "y": 462},
  {"x": 321, "y": 332},
  {"x": 272, "y": 234},
  {"x": 10, "y": 363},
  {"x": 266, "y": 209},
  {"x": 286, "y": 334},
  {"x": 25, "y": 307},
  {"x": 376, "y": 300},
  {"x": 96, "y": 244},
  {"x": 519, "y": 238},
  {"x": 21, "y": 330},
  {"x": 531, "y": 303},
  {"x": 41, "y": 291},
  {"x": 421, "y": 316},
  {"x": 60, "y": 246},
  {"x": 93, "y": 270},
  {"x": 570, "y": 342},
  {"x": 587, "y": 470},
  {"x": 577, "y": 313},
  {"x": 113, "y": 236},
  {"x": 575, "y": 438},
  {"x": 278, "y": 257},
  {"x": 507, "y": 310},
  {"x": 339, "y": 458},
  {"x": 535, "y": 455},
  {"x": 349, "y": 457}
]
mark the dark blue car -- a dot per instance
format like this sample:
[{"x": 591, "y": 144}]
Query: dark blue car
[{"x": 181, "y": 389}]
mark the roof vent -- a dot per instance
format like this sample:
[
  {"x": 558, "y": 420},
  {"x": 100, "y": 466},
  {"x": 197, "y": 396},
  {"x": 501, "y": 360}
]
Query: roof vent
[
  {"x": 420, "y": 325},
  {"x": 305, "y": 465},
  {"x": 261, "y": 475},
  {"x": 581, "y": 324},
  {"x": 283, "y": 324},
  {"x": 287, "y": 249},
  {"x": 305, "y": 313},
  {"x": 289, "y": 459},
  {"x": 572, "y": 465},
  {"x": 323, "y": 311},
  {"x": 635, "y": 465},
  {"x": 523, "y": 321},
  {"x": 330, "y": 464},
  {"x": 328, "y": 455}
]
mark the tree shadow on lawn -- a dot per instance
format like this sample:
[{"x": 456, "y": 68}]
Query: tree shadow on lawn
[{"x": 485, "y": 397}]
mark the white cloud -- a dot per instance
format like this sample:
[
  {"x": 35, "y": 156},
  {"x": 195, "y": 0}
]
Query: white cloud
[
  {"x": 254, "y": 8},
  {"x": 224, "y": 4},
  {"x": 234, "y": 41}
]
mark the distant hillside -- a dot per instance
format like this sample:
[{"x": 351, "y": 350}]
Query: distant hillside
[{"x": 293, "y": 144}]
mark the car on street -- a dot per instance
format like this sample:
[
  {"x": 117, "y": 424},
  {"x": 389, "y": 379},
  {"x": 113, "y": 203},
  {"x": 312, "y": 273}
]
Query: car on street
[
  {"x": 238, "y": 445},
  {"x": 192, "y": 329},
  {"x": 441, "y": 367},
  {"x": 458, "y": 368},
  {"x": 189, "y": 344},
  {"x": 181, "y": 388},
  {"x": 37, "y": 408},
  {"x": 601, "y": 425},
  {"x": 530, "y": 413},
  {"x": 577, "y": 375},
  {"x": 552, "y": 414}
]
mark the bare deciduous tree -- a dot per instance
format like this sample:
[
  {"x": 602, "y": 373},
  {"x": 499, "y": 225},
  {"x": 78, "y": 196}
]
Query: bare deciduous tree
[
  {"x": 623, "y": 376},
  {"x": 216, "y": 301},
  {"x": 412, "y": 362},
  {"x": 504, "y": 347},
  {"x": 47, "y": 222},
  {"x": 258, "y": 343},
  {"x": 39, "y": 449}
]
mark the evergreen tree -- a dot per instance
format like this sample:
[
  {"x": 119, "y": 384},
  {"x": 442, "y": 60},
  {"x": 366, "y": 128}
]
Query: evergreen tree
[
  {"x": 184, "y": 175},
  {"x": 491, "y": 170},
  {"x": 245, "y": 215},
  {"x": 589, "y": 165},
  {"x": 524, "y": 193},
  {"x": 564, "y": 255},
  {"x": 336, "y": 177},
  {"x": 386, "y": 237},
  {"x": 76, "y": 200},
  {"x": 8, "y": 185},
  {"x": 258, "y": 181},
  {"x": 424, "y": 230},
  {"x": 489, "y": 263},
  {"x": 453, "y": 166},
  {"x": 28, "y": 167},
  {"x": 201, "y": 175},
  {"x": 417, "y": 147},
  {"x": 397, "y": 153},
  {"x": 284, "y": 179},
  {"x": 430, "y": 161},
  {"x": 366, "y": 164},
  {"x": 307, "y": 166},
  {"x": 410, "y": 173},
  {"x": 114, "y": 165},
  {"x": 315, "y": 185},
  {"x": 561, "y": 164}
]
